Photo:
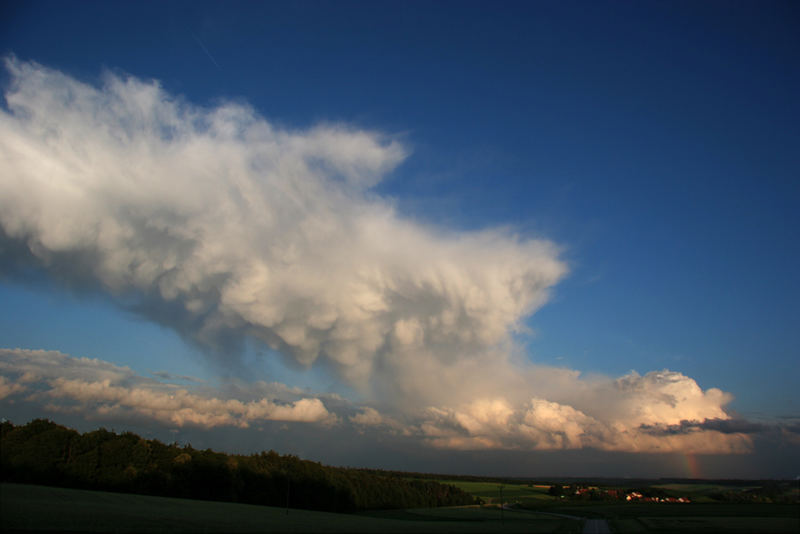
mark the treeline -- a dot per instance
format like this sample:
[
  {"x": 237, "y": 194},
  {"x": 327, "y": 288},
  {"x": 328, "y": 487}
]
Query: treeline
[
  {"x": 511, "y": 481},
  {"x": 43, "y": 452}
]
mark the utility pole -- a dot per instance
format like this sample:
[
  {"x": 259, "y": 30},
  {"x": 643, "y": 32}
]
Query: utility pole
[{"x": 502, "y": 505}]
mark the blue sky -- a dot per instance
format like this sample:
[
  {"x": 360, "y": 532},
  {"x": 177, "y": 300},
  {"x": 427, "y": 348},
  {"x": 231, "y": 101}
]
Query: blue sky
[{"x": 654, "y": 145}]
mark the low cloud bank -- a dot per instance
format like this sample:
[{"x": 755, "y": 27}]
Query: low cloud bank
[
  {"x": 647, "y": 418},
  {"x": 101, "y": 390}
]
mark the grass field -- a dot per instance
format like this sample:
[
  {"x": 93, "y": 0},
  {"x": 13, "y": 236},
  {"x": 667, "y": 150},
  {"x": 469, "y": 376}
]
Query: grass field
[{"x": 39, "y": 508}]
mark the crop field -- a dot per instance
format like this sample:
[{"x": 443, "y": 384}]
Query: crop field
[{"x": 42, "y": 509}]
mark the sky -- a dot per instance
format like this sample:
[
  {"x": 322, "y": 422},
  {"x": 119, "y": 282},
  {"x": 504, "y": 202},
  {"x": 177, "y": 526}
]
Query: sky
[{"x": 493, "y": 238}]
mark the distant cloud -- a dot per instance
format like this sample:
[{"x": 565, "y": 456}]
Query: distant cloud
[
  {"x": 638, "y": 413},
  {"x": 370, "y": 417},
  {"x": 8, "y": 388},
  {"x": 613, "y": 415},
  {"x": 99, "y": 389}
]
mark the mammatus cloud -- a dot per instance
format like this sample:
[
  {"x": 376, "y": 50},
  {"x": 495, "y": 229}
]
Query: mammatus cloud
[{"x": 216, "y": 223}]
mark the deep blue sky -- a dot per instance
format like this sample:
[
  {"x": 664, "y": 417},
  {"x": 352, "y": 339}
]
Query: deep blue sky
[{"x": 656, "y": 142}]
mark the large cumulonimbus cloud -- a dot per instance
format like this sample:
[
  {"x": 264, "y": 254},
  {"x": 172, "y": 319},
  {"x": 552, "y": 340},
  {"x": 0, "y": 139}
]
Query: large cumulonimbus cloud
[
  {"x": 215, "y": 222},
  {"x": 240, "y": 228}
]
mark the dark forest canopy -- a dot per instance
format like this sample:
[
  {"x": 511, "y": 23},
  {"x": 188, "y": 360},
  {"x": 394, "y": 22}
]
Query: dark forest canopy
[{"x": 43, "y": 452}]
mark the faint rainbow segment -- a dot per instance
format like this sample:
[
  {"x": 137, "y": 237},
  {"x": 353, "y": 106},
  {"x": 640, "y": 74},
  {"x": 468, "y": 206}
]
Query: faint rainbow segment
[{"x": 692, "y": 465}]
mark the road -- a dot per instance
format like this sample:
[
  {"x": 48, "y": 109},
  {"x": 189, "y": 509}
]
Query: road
[
  {"x": 591, "y": 526},
  {"x": 596, "y": 526}
]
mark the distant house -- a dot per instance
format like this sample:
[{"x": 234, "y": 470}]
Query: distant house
[{"x": 636, "y": 496}]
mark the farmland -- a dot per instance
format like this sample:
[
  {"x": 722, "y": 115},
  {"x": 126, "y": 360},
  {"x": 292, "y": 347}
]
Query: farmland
[
  {"x": 106, "y": 482},
  {"x": 704, "y": 514},
  {"x": 39, "y": 508},
  {"x": 490, "y": 492}
]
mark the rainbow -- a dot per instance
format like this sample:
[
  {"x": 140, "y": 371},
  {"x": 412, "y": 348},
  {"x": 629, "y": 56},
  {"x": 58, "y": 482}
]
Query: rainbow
[{"x": 692, "y": 466}]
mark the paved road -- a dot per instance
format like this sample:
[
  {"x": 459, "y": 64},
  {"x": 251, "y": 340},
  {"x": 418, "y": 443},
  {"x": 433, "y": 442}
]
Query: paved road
[
  {"x": 596, "y": 526},
  {"x": 591, "y": 526}
]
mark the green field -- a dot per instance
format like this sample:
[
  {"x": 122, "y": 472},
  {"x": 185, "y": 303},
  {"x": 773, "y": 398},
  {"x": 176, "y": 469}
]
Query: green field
[
  {"x": 700, "y": 493},
  {"x": 39, "y": 508},
  {"x": 490, "y": 491},
  {"x": 700, "y": 488}
]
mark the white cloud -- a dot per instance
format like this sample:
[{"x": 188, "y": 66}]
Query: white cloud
[
  {"x": 99, "y": 389},
  {"x": 180, "y": 407},
  {"x": 368, "y": 417},
  {"x": 31, "y": 366},
  {"x": 632, "y": 408}
]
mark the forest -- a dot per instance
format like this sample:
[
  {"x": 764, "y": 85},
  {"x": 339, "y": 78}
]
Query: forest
[{"x": 43, "y": 452}]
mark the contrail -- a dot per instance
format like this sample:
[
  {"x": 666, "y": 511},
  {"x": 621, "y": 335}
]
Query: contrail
[{"x": 199, "y": 42}]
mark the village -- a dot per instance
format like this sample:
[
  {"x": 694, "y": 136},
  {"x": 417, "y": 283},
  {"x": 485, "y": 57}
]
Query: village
[{"x": 650, "y": 495}]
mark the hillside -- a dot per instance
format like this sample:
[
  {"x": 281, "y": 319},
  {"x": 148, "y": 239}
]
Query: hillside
[{"x": 43, "y": 452}]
